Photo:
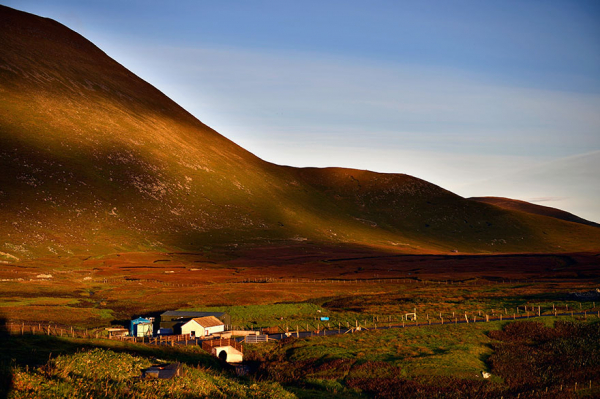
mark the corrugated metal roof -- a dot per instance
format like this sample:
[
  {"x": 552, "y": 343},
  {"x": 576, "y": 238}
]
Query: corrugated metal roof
[
  {"x": 184, "y": 313},
  {"x": 208, "y": 321}
]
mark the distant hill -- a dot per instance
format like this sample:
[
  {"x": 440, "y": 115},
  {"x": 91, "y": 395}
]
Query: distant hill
[
  {"x": 523, "y": 206},
  {"x": 95, "y": 160}
]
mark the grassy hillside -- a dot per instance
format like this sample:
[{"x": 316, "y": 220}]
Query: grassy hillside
[
  {"x": 523, "y": 206},
  {"x": 95, "y": 161}
]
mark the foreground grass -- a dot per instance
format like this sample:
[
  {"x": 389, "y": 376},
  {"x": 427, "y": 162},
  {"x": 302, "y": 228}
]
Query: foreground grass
[
  {"x": 108, "y": 369},
  {"x": 104, "y": 373}
]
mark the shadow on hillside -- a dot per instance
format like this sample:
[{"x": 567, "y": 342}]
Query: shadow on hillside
[{"x": 32, "y": 351}]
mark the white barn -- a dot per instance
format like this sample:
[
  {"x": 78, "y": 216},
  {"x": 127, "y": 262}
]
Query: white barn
[{"x": 202, "y": 326}]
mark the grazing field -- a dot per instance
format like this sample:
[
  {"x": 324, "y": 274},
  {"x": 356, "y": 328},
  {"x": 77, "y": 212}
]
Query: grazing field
[
  {"x": 299, "y": 284},
  {"x": 445, "y": 361},
  {"x": 547, "y": 358},
  {"x": 292, "y": 290}
]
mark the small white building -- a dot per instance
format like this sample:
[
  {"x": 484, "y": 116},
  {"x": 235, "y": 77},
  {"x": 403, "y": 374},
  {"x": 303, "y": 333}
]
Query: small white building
[
  {"x": 228, "y": 354},
  {"x": 202, "y": 326}
]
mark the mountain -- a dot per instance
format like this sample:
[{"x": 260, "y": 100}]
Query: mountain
[
  {"x": 95, "y": 160},
  {"x": 523, "y": 206}
]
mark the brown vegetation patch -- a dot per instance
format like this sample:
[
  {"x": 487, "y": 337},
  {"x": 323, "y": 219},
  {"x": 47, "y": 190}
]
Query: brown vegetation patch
[{"x": 532, "y": 356}]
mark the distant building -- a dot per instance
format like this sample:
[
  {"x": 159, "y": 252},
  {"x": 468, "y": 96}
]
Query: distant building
[
  {"x": 174, "y": 319},
  {"x": 141, "y": 327},
  {"x": 164, "y": 331},
  {"x": 202, "y": 326},
  {"x": 117, "y": 332}
]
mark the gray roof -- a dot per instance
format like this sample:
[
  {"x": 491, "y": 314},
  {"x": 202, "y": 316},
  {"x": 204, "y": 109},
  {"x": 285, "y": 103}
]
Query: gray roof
[{"x": 184, "y": 313}]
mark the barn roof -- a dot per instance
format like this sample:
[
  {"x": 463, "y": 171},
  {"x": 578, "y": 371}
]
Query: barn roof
[
  {"x": 185, "y": 313},
  {"x": 208, "y": 321}
]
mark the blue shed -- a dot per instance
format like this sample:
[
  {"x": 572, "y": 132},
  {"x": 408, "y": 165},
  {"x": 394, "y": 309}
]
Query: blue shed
[{"x": 141, "y": 327}]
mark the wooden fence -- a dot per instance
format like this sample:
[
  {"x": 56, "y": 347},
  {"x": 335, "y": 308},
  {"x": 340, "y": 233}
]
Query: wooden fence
[
  {"x": 58, "y": 330},
  {"x": 279, "y": 280},
  {"x": 317, "y": 327}
]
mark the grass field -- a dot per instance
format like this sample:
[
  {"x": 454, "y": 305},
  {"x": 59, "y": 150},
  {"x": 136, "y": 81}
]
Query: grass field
[
  {"x": 289, "y": 291},
  {"x": 430, "y": 361},
  {"x": 295, "y": 284}
]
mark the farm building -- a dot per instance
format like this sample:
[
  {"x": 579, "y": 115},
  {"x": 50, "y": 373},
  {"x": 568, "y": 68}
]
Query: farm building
[
  {"x": 141, "y": 327},
  {"x": 174, "y": 319},
  {"x": 164, "y": 331},
  {"x": 202, "y": 326},
  {"x": 117, "y": 332}
]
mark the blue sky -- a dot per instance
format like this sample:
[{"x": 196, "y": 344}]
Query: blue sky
[{"x": 482, "y": 98}]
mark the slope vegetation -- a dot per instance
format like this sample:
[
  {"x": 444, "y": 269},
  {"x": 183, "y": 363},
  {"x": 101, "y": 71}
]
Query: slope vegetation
[
  {"x": 524, "y": 206},
  {"x": 95, "y": 160}
]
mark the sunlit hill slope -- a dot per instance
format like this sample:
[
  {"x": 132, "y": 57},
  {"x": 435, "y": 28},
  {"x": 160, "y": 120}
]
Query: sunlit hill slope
[
  {"x": 95, "y": 160},
  {"x": 528, "y": 207}
]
